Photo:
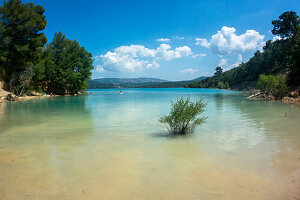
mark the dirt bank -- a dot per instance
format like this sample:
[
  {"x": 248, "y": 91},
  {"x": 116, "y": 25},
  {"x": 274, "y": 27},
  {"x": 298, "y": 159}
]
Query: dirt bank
[
  {"x": 292, "y": 98},
  {"x": 4, "y": 93}
]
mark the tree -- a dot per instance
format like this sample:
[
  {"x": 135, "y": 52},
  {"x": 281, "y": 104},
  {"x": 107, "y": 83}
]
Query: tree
[
  {"x": 286, "y": 25},
  {"x": 219, "y": 71},
  {"x": 21, "y": 40},
  {"x": 19, "y": 83},
  {"x": 295, "y": 68},
  {"x": 67, "y": 66},
  {"x": 273, "y": 85},
  {"x": 222, "y": 85},
  {"x": 182, "y": 118}
]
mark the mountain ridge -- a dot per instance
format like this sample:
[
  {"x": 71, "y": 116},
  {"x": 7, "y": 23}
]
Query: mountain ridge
[
  {"x": 141, "y": 82},
  {"x": 129, "y": 80}
]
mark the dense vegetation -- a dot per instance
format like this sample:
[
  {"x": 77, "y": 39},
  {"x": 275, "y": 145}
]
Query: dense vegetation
[
  {"x": 273, "y": 85},
  {"x": 278, "y": 57},
  {"x": 183, "y": 117},
  {"x": 61, "y": 67}
]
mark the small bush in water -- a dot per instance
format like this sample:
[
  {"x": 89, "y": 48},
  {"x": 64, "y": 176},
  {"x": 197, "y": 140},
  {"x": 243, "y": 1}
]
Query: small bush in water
[{"x": 182, "y": 118}]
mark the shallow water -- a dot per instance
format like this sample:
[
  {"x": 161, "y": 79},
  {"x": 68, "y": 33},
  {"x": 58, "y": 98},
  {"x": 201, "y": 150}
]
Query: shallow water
[{"x": 111, "y": 146}]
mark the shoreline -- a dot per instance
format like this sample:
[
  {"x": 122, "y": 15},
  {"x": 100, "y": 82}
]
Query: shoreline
[
  {"x": 4, "y": 94},
  {"x": 264, "y": 97},
  {"x": 251, "y": 95},
  {"x": 24, "y": 98}
]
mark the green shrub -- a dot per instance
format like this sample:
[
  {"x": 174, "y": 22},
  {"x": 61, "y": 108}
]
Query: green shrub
[
  {"x": 222, "y": 85},
  {"x": 182, "y": 118},
  {"x": 273, "y": 85}
]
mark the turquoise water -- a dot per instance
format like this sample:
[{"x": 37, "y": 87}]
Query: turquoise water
[{"x": 111, "y": 146}]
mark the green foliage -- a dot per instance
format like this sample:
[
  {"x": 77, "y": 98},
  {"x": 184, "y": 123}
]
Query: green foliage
[
  {"x": 295, "y": 66},
  {"x": 21, "y": 40},
  {"x": 182, "y": 118},
  {"x": 222, "y": 85},
  {"x": 219, "y": 71},
  {"x": 286, "y": 25},
  {"x": 274, "y": 85},
  {"x": 67, "y": 66},
  {"x": 62, "y": 67}
]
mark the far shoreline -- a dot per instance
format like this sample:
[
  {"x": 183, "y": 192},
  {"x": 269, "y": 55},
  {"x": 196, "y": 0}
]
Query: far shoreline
[{"x": 286, "y": 99}]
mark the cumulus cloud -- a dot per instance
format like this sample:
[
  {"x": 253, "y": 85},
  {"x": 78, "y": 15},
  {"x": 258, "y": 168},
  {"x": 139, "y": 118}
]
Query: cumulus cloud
[
  {"x": 226, "y": 41},
  {"x": 136, "y": 57},
  {"x": 276, "y": 38},
  {"x": 113, "y": 61},
  {"x": 99, "y": 68},
  {"x": 189, "y": 70},
  {"x": 238, "y": 61},
  {"x": 164, "y": 52},
  {"x": 222, "y": 62},
  {"x": 153, "y": 65},
  {"x": 135, "y": 51},
  {"x": 163, "y": 40},
  {"x": 202, "y": 42},
  {"x": 199, "y": 55},
  {"x": 236, "y": 64},
  {"x": 179, "y": 37}
]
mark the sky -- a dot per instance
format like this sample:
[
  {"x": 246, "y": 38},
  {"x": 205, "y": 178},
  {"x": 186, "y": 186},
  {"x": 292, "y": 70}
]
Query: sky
[{"x": 171, "y": 40}]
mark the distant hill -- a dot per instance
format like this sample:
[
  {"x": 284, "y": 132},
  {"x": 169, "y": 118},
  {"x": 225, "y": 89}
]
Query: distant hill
[
  {"x": 95, "y": 85},
  {"x": 107, "y": 83},
  {"x": 129, "y": 80},
  {"x": 174, "y": 84}
]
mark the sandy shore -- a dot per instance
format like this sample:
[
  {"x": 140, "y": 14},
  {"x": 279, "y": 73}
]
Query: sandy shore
[
  {"x": 4, "y": 93},
  {"x": 24, "y": 98}
]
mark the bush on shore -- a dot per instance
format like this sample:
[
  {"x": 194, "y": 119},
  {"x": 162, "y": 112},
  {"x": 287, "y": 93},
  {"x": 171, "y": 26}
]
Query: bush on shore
[{"x": 273, "y": 85}]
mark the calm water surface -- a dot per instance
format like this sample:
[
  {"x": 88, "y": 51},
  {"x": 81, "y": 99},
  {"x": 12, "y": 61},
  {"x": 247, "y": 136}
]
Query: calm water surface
[{"x": 111, "y": 146}]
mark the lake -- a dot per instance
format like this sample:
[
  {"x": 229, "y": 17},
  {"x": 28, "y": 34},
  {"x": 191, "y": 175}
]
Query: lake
[{"x": 111, "y": 146}]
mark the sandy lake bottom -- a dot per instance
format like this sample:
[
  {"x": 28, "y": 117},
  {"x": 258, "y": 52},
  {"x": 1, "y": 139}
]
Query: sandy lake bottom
[{"x": 111, "y": 146}]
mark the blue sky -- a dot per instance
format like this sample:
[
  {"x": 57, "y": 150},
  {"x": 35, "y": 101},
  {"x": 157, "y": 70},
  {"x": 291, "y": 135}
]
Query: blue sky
[{"x": 196, "y": 36}]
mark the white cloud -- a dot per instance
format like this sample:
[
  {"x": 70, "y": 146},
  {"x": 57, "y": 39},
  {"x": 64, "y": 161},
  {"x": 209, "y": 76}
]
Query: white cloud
[
  {"x": 236, "y": 64},
  {"x": 136, "y": 57},
  {"x": 202, "y": 42},
  {"x": 153, "y": 65},
  {"x": 238, "y": 61},
  {"x": 99, "y": 68},
  {"x": 179, "y": 37},
  {"x": 164, "y": 52},
  {"x": 222, "y": 62},
  {"x": 226, "y": 41},
  {"x": 276, "y": 38},
  {"x": 135, "y": 51},
  {"x": 113, "y": 61},
  {"x": 189, "y": 70},
  {"x": 199, "y": 55},
  {"x": 163, "y": 40}
]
